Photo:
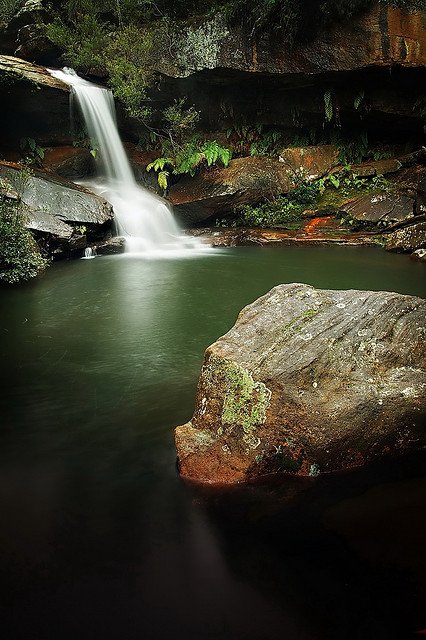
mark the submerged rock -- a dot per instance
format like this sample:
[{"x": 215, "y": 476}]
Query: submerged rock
[
  {"x": 419, "y": 254},
  {"x": 309, "y": 381}
]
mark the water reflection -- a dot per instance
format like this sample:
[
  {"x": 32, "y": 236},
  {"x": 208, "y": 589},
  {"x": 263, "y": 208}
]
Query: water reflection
[{"x": 99, "y": 537}]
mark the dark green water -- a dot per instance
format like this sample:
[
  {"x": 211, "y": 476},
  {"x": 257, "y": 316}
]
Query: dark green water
[{"x": 100, "y": 539}]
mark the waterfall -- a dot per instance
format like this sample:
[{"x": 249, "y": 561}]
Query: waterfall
[
  {"x": 145, "y": 220},
  {"x": 89, "y": 253}
]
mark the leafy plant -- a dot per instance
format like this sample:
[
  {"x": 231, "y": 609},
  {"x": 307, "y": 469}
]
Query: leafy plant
[
  {"x": 189, "y": 159},
  {"x": 180, "y": 119},
  {"x": 34, "y": 154},
  {"x": 359, "y": 99},
  {"x": 8, "y": 8},
  {"x": 20, "y": 258},
  {"x": 84, "y": 41},
  {"x": 353, "y": 151},
  {"x": 127, "y": 59},
  {"x": 328, "y": 106}
]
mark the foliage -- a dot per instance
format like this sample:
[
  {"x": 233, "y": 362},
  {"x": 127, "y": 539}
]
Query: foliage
[
  {"x": 420, "y": 106},
  {"x": 179, "y": 119},
  {"x": 280, "y": 211},
  {"x": 83, "y": 40},
  {"x": 324, "y": 193},
  {"x": 328, "y": 106},
  {"x": 353, "y": 151},
  {"x": 189, "y": 159},
  {"x": 8, "y": 8},
  {"x": 34, "y": 154},
  {"x": 255, "y": 140},
  {"x": 20, "y": 258}
]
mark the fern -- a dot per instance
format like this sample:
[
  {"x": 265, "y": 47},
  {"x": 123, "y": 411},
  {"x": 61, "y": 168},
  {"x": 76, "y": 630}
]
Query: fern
[
  {"x": 213, "y": 152},
  {"x": 358, "y": 99},
  {"x": 328, "y": 106},
  {"x": 159, "y": 163},
  {"x": 162, "y": 179},
  {"x": 187, "y": 160}
]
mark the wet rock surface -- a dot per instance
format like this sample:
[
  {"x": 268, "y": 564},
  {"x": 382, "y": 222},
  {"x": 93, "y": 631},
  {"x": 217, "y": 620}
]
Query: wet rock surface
[
  {"x": 53, "y": 204},
  {"x": 316, "y": 231},
  {"x": 309, "y": 381},
  {"x": 111, "y": 246},
  {"x": 34, "y": 104}
]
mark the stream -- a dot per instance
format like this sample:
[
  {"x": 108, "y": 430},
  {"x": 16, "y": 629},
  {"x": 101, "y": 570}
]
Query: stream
[{"x": 100, "y": 538}]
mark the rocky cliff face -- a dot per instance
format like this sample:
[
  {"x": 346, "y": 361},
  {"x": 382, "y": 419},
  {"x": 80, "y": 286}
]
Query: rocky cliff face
[
  {"x": 309, "y": 381},
  {"x": 33, "y": 104},
  {"x": 229, "y": 76},
  {"x": 383, "y": 36}
]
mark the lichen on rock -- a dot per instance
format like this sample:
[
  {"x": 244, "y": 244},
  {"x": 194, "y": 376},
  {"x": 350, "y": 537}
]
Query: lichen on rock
[{"x": 309, "y": 380}]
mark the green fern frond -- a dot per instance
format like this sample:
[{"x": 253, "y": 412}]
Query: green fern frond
[
  {"x": 328, "y": 106},
  {"x": 162, "y": 179},
  {"x": 159, "y": 163}
]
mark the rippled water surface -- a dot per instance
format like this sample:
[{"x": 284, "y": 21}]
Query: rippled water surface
[{"x": 99, "y": 538}]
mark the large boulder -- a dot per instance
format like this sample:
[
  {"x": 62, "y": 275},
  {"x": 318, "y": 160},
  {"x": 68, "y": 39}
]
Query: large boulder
[
  {"x": 53, "y": 205},
  {"x": 408, "y": 239},
  {"x": 69, "y": 162},
  {"x": 311, "y": 162},
  {"x": 381, "y": 208},
  {"x": 218, "y": 191},
  {"x": 309, "y": 381}
]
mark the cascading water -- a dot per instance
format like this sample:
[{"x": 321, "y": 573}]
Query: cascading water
[{"x": 145, "y": 220}]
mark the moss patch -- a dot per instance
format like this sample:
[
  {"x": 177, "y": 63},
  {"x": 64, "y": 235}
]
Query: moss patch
[{"x": 245, "y": 401}]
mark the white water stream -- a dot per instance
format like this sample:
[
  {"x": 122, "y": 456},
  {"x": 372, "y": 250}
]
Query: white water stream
[{"x": 145, "y": 220}]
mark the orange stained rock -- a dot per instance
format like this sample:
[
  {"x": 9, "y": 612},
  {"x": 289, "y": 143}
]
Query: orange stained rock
[{"x": 312, "y": 225}]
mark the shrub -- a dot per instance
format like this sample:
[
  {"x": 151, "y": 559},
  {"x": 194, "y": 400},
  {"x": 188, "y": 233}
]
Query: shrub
[
  {"x": 20, "y": 258},
  {"x": 83, "y": 42},
  {"x": 8, "y": 8}
]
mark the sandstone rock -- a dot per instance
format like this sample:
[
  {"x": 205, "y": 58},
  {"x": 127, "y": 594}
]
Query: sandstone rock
[
  {"x": 52, "y": 203},
  {"x": 18, "y": 69},
  {"x": 419, "y": 254},
  {"x": 382, "y": 36},
  {"x": 309, "y": 381},
  {"x": 381, "y": 207},
  {"x": 310, "y": 162},
  {"x": 34, "y": 104},
  {"x": 69, "y": 162},
  {"x": 407, "y": 239},
  {"x": 376, "y": 168},
  {"x": 111, "y": 246},
  {"x": 218, "y": 191}
]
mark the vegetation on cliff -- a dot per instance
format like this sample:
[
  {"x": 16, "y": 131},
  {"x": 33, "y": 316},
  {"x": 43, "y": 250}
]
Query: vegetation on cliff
[{"x": 20, "y": 257}]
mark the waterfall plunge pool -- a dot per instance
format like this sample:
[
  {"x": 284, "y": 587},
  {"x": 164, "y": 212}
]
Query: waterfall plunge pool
[{"x": 101, "y": 539}]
